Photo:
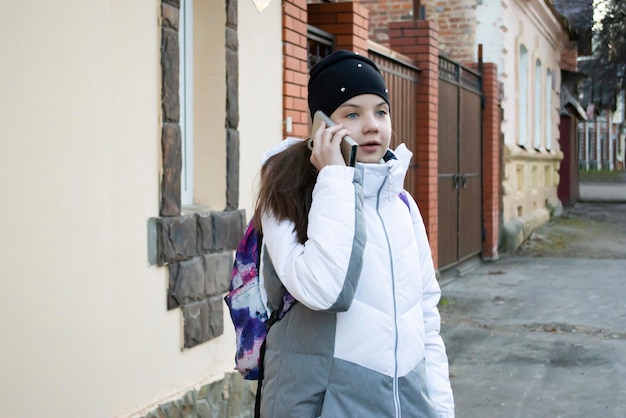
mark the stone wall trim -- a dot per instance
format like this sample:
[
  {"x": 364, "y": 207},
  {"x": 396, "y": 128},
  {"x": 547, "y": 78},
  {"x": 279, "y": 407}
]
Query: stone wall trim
[{"x": 195, "y": 248}]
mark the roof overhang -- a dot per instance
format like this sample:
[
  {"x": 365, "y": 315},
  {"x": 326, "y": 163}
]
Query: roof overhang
[{"x": 570, "y": 105}]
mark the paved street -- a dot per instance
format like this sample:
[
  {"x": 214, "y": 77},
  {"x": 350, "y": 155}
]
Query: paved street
[
  {"x": 604, "y": 192},
  {"x": 543, "y": 333}
]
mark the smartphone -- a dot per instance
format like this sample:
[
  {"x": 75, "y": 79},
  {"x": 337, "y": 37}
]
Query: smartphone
[{"x": 349, "y": 146}]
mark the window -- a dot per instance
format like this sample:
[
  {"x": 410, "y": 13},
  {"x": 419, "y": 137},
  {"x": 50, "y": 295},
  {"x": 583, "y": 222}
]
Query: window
[
  {"x": 538, "y": 103},
  {"x": 523, "y": 95},
  {"x": 549, "y": 110},
  {"x": 185, "y": 36},
  {"x": 202, "y": 90}
]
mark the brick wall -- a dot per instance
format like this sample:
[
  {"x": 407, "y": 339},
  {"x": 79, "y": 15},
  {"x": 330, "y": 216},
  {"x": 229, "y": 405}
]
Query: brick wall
[
  {"x": 381, "y": 12},
  {"x": 456, "y": 22},
  {"x": 348, "y": 21},
  {"x": 418, "y": 41},
  {"x": 295, "y": 71},
  {"x": 491, "y": 161}
]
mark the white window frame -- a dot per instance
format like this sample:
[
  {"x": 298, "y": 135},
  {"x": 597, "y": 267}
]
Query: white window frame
[
  {"x": 523, "y": 95},
  {"x": 185, "y": 36},
  {"x": 538, "y": 103},
  {"x": 549, "y": 83}
]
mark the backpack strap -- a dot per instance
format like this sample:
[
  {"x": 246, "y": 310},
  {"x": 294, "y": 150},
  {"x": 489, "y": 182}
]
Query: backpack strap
[
  {"x": 257, "y": 398},
  {"x": 402, "y": 195},
  {"x": 274, "y": 317},
  {"x": 257, "y": 401}
]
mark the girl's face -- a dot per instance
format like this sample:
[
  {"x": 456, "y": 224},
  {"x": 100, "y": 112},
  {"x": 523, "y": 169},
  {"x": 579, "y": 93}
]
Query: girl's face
[{"x": 367, "y": 118}]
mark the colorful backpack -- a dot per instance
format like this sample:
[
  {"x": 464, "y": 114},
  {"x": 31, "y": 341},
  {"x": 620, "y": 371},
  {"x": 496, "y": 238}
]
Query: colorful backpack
[{"x": 250, "y": 317}]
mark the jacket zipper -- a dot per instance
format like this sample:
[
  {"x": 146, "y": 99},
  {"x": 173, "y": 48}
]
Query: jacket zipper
[{"x": 396, "y": 394}]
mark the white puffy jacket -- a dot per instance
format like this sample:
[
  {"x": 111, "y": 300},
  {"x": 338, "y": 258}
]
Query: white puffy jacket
[{"x": 364, "y": 338}]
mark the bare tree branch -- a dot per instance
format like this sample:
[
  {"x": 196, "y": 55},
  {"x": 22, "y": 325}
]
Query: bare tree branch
[{"x": 604, "y": 42}]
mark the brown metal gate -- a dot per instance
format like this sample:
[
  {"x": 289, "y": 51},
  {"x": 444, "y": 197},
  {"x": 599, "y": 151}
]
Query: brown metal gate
[
  {"x": 460, "y": 191},
  {"x": 400, "y": 76}
]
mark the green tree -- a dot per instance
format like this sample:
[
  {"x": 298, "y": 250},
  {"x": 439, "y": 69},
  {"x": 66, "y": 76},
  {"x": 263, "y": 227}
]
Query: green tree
[
  {"x": 610, "y": 39},
  {"x": 601, "y": 30}
]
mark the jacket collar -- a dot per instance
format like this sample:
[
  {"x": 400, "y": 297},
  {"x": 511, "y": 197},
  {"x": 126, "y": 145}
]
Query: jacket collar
[{"x": 386, "y": 177}]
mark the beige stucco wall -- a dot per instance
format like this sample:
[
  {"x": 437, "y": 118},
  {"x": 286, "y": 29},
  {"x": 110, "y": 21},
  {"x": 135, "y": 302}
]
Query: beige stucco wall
[
  {"x": 530, "y": 176},
  {"x": 260, "y": 91},
  {"x": 57, "y": 168},
  {"x": 83, "y": 316},
  {"x": 147, "y": 362}
]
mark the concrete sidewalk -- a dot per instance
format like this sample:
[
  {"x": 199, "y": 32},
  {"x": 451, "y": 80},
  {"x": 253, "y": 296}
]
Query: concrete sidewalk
[
  {"x": 544, "y": 334},
  {"x": 602, "y": 192}
]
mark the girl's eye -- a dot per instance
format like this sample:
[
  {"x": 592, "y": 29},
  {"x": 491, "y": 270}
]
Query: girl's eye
[
  {"x": 351, "y": 115},
  {"x": 381, "y": 113}
]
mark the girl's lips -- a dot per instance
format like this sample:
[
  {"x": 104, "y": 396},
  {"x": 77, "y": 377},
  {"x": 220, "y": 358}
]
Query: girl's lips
[{"x": 369, "y": 147}]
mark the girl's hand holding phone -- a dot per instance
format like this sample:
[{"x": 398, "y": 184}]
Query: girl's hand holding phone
[{"x": 326, "y": 150}]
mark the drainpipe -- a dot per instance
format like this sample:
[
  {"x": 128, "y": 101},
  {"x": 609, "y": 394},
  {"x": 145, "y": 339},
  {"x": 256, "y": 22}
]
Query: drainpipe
[
  {"x": 610, "y": 137},
  {"x": 419, "y": 11},
  {"x": 598, "y": 144},
  {"x": 587, "y": 146}
]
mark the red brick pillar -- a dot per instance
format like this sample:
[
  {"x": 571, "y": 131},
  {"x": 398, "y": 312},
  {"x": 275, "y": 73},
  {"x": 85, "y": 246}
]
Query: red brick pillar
[
  {"x": 347, "y": 21},
  {"x": 418, "y": 41},
  {"x": 491, "y": 162},
  {"x": 295, "y": 68}
]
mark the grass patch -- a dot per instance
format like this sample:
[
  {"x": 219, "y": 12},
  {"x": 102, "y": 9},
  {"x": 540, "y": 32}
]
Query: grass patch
[
  {"x": 572, "y": 222},
  {"x": 601, "y": 176}
]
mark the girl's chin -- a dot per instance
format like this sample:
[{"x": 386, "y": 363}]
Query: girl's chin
[{"x": 369, "y": 159}]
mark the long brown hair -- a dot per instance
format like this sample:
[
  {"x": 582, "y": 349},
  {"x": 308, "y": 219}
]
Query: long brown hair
[{"x": 286, "y": 188}]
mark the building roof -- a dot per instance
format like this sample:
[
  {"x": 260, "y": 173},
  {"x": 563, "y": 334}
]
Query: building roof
[
  {"x": 601, "y": 87},
  {"x": 571, "y": 105}
]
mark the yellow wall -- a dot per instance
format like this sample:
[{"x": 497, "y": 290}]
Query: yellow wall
[
  {"x": 83, "y": 317},
  {"x": 531, "y": 176}
]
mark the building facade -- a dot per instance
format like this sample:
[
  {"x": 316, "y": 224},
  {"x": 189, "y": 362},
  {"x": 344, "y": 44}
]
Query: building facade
[
  {"x": 99, "y": 97},
  {"x": 525, "y": 40}
]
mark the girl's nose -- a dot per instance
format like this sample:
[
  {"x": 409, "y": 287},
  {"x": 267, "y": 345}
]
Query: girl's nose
[{"x": 371, "y": 124}]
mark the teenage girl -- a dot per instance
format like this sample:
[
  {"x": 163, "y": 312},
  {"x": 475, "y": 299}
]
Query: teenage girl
[{"x": 349, "y": 244}]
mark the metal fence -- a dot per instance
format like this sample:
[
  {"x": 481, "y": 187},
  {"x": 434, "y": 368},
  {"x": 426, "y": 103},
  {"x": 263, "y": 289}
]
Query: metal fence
[
  {"x": 401, "y": 78},
  {"x": 319, "y": 45}
]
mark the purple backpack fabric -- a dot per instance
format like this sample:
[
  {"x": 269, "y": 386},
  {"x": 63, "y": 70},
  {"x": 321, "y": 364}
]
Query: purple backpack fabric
[
  {"x": 402, "y": 195},
  {"x": 247, "y": 310}
]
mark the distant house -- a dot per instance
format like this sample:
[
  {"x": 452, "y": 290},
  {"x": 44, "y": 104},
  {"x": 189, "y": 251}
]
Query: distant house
[
  {"x": 600, "y": 136},
  {"x": 580, "y": 15},
  {"x": 571, "y": 113}
]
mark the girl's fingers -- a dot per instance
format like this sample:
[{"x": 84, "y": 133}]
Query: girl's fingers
[
  {"x": 320, "y": 130},
  {"x": 325, "y": 133},
  {"x": 326, "y": 150}
]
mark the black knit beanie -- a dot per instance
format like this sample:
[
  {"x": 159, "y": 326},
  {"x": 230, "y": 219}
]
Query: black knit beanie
[{"x": 341, "y": 76}]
